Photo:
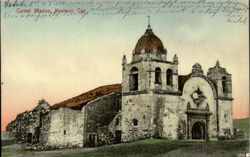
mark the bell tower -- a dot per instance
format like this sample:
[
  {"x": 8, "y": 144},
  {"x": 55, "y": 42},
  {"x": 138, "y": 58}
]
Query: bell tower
[
  {"x": 223, "y": 82},
  {"x": 148, "y": 74},
  {"x": 222, "y": 79},
  {"x": 149, "y": 69}
]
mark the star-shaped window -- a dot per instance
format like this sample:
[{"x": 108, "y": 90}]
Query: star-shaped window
[{"x": 198, "y": 96}]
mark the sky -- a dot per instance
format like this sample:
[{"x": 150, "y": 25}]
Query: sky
[{"x": 59, "y": 58}]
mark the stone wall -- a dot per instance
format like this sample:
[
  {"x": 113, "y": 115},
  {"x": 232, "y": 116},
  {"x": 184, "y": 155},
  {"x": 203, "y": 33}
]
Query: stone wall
[
  {"x": 225, "y": 119},
  {"x": 44, "y": 129},
  {"x": 139, "y": 108},
  {"x": 73, "y": 128},
  {"x": 27, "y": 125},
  {"x": 66, "y": 128},
  {"x": 172, "y": 111},
  {"x": 99, "y": 114}
]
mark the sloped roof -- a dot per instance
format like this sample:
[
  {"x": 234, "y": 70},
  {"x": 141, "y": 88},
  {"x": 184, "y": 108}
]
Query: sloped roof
[{"x": 80, "y": 100}]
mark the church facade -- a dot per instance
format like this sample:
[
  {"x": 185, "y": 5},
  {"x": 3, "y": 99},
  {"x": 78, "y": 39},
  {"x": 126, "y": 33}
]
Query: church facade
[
  {"x": 153, "y": 101},
  {"x": 165, "y": 104}
]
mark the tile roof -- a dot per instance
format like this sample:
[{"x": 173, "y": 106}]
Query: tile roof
[{"x": 81, "y": 100}]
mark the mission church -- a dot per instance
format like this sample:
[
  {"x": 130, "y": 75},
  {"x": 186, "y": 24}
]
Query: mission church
[{"x": 153, "y": 101}]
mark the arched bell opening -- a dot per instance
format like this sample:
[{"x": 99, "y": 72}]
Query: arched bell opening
[{"x": 133, "y": 79}]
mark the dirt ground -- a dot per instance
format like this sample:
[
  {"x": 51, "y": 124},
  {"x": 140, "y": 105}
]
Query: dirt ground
[
  {"x": 180, "y": 152},
  {"x": 52, "y": 153}
]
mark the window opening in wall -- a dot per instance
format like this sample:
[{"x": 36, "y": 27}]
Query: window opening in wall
[
  {"x": 224, "y": 84},
  {"x": 64, "y": 132},
  {"x": 41, "y": 120},
  {"x": 135, "y": 122},
  {"x": 29, "y": 137},
  {"x": 157, "y": 75},
  {"x": 118, "y": 135},
  {"x": 169, "y": 77},
  {"x": 133, "y": 79},
  {"x": 92, "y": 138},
  {"x": 117, "y": 121}
]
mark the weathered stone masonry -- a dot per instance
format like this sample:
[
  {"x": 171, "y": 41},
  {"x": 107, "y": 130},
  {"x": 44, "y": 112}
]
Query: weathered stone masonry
[
  {"x": 30, "y": 126},
  {"x": 74, "y": 126},
  {"x": 153, "y": 101}
]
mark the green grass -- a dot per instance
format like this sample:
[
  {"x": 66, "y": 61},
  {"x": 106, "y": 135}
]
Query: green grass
[
  {"x": 242, "y": 124},
  {"x": 144, "y": 148},
  {"x": 9, "y": 153},
  {"x": 7, "y": 142},
  {"x": 156, "y": 148}
]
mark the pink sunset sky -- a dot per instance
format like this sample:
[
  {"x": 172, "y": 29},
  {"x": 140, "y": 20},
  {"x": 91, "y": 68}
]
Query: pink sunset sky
[{"x": 56, "y": 59}]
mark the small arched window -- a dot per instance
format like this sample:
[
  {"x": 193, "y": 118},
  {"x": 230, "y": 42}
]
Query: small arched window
[
  {"x": 29, "y": 138},
  {"x": 117, "y": 121},
  {"x": 224, "y": 84},
  {"x": 135, "y": 122},
  {"x": 169, "y": 77},
  {"x": 133, "y": 79},
  {"x": 158, "y": 75}
]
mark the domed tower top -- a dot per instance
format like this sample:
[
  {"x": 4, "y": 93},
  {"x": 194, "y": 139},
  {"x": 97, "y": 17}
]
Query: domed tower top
[{"x": 149, "y": 42}]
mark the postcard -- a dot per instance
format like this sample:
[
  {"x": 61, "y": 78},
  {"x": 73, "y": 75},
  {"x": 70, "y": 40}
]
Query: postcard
[{"x": 87, "y": 73}]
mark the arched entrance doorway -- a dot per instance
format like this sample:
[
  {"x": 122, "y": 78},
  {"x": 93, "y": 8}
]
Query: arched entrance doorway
[{"x": 198, "y": 131}]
